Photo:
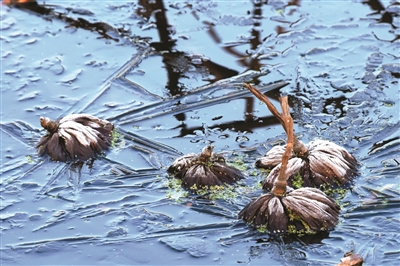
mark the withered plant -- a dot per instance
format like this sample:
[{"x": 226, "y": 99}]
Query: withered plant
[
  {"x": 284, "y": 210},
  {"x": 204, "y": 170},
  {"x": 318, "y": 163},
  {"x": 76, "y": 137}
]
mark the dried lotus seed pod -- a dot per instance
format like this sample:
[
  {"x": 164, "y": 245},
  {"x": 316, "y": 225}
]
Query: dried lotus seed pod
[
  {"x": 76, "y": 137},
  {"x": 204, "y": 170}
]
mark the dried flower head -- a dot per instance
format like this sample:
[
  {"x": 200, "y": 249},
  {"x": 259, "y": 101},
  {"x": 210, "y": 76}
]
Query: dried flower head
[
  {"x": 75, "y": 137},
  {"x": 318, "y": 163},
  {"x": 325, "y": 163},
  {"x": 304, "y": 210},
  {"x": 204, "y": 170}
]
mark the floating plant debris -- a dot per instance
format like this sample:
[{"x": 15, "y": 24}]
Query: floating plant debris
[
  {"x": 284, "y": 210},
  {"x": 204, "y": 170},
  {"x": 76, "y": 137},
  {"x": 351, "y": 259},
  {"x": 318, "y": 163}
]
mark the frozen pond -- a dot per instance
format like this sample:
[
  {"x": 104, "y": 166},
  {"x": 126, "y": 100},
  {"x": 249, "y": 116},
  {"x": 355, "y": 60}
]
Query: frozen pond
[{"x": 170, "y": 75}]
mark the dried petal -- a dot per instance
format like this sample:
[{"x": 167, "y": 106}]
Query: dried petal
[
  {"x": 316, "y": 194},
  {"x": 312, "y": 207},
  {"x": 226, "y": 173},
  {"x": 294, "y": 167},
  {"x": 201, "y": 176},
  {"x": 278, "y": 219},
  {"x": 255, "y": 212},
  {"x": 272, "y": 158},
  {"x": 50, "y": 145}
]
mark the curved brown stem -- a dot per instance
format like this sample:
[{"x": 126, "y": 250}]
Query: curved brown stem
[
  {"x": 298, "y": 147},
  {"x": 280, "y": 184},
  {"x": 264, "y": 99}
]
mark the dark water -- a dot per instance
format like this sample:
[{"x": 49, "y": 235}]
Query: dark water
[{"x": 171, "y": 81}]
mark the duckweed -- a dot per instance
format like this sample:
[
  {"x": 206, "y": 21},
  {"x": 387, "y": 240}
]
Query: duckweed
[
  {"x": 294, "y": 217},
  {"x": 29, "y": 158},
  {"x": 262, "y": 228},
  {"x": 297, "y": 181},
  {"x": 175, "y": 190},
  {"x": 116, "y": 138},
  {"x": 337, "y": 193},
  {"x": 217, "y": 192},
  {"x": 238, "y": 163}
]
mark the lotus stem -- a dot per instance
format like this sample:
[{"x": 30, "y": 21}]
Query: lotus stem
[
  {"x": 298, "y": 146},
  {"x": 265, "y": 99},
  {"x": 280, "y": 184}
]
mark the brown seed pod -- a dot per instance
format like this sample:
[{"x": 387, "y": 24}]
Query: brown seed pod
[
  {"x": 304, "y": 210},
  {"x": 76, "y": 137},
  {"x": 204, "y": 170},
  {"x": 325, "y": 164},
  {"x": 284, "y": 210}
]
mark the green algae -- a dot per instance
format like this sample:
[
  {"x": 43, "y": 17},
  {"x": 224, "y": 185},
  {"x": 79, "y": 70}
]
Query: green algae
[
  {"x": 30, "y": 159},
  {"x": 297, "y": 181},
  {"x": 116, "y": 139}
]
